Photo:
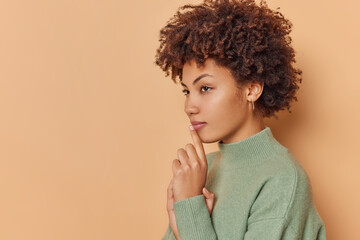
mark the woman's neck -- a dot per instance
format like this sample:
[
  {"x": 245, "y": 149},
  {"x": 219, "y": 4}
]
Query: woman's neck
[{"x": 253, "y": 125}]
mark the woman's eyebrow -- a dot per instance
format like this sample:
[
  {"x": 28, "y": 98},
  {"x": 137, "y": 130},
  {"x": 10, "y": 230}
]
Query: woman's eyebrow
[{"x": 198, "y": 79}]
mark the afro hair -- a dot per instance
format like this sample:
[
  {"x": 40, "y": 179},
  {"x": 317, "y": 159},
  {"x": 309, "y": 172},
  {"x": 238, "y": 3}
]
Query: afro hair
[{"x": 251, "y": 40}]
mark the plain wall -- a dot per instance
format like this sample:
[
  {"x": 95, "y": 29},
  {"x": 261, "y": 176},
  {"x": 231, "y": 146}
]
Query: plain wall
[{"x": 89, "y": 125}]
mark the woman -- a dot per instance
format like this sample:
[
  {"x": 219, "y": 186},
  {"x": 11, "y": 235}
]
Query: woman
[{"x": 235, "y": 64}]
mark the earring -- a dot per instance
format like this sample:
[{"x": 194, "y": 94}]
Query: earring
[{"x": 253, "y": 105}]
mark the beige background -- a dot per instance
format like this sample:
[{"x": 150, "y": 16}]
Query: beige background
[{"x": 89, "y": 125}]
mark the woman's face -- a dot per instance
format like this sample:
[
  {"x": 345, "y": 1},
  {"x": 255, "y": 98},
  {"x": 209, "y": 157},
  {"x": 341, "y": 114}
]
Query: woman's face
[{"x": 212, "y": 97}]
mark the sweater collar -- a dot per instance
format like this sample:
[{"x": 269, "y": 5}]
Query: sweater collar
[{"x": 256, "y": 147}]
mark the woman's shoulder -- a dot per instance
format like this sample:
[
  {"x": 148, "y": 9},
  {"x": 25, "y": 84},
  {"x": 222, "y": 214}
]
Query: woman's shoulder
[
  {"x": 284, "y": 186},
  {"x": 285, "y": 170},
  {"x": 291, "y": 183}
]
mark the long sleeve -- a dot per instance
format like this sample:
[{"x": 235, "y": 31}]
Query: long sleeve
[{"x": 193, "y": 219}]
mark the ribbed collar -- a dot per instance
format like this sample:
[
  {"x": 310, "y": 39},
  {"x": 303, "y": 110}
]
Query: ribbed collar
[{"x": 252, "y": 149}]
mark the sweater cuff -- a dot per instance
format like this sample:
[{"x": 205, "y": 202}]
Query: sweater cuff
[{"x": 193, "y": 219}]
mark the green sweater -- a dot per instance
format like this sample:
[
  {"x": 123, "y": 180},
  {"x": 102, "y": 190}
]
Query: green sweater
[{"x": 261, "y": 193}]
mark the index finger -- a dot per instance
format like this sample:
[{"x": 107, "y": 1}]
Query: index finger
[{"x": 198, "y": 144}]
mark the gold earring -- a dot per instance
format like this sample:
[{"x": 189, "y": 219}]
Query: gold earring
[{"x": 252, "y": 102}]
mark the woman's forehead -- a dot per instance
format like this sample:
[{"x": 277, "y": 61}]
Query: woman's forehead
[{"x": 210, "y": 70}]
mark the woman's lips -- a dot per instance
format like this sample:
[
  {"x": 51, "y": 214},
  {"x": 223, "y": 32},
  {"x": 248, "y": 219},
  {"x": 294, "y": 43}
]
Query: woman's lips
[{"x": 198, "y": 126}]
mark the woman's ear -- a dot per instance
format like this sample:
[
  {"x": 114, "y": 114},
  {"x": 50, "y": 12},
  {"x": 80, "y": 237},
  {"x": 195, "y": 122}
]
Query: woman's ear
[{"x": 254, "y": 91}]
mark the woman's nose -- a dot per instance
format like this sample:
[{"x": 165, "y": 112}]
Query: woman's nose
[{"x": 191, "y": 108}]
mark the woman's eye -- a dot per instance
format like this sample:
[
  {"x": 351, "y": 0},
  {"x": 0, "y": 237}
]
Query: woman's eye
[{"x": 205, "y": 87}]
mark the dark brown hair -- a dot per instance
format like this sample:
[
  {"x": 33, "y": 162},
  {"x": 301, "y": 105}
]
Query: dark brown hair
[{"x": 251, "y": 40}]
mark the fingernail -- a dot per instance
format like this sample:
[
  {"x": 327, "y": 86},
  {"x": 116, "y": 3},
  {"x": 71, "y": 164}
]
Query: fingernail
[
  {"x": 191, "y": 127},
  {"x": 206, "y": 190}
]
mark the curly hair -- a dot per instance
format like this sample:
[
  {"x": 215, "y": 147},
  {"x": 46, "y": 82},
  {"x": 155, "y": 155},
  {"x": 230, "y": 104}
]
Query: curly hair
[{"x": 251, "y": 40}]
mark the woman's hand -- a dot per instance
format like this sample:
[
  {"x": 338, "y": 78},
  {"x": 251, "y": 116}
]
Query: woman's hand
[
  {"x": 209, "y": 199},
  {"x": 190, "y": 170},
  {"x": 189, "y": 178}
]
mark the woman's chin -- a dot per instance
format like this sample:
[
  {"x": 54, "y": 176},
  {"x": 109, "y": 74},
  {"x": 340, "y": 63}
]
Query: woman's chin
[{"x": 207, "y": 139}]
